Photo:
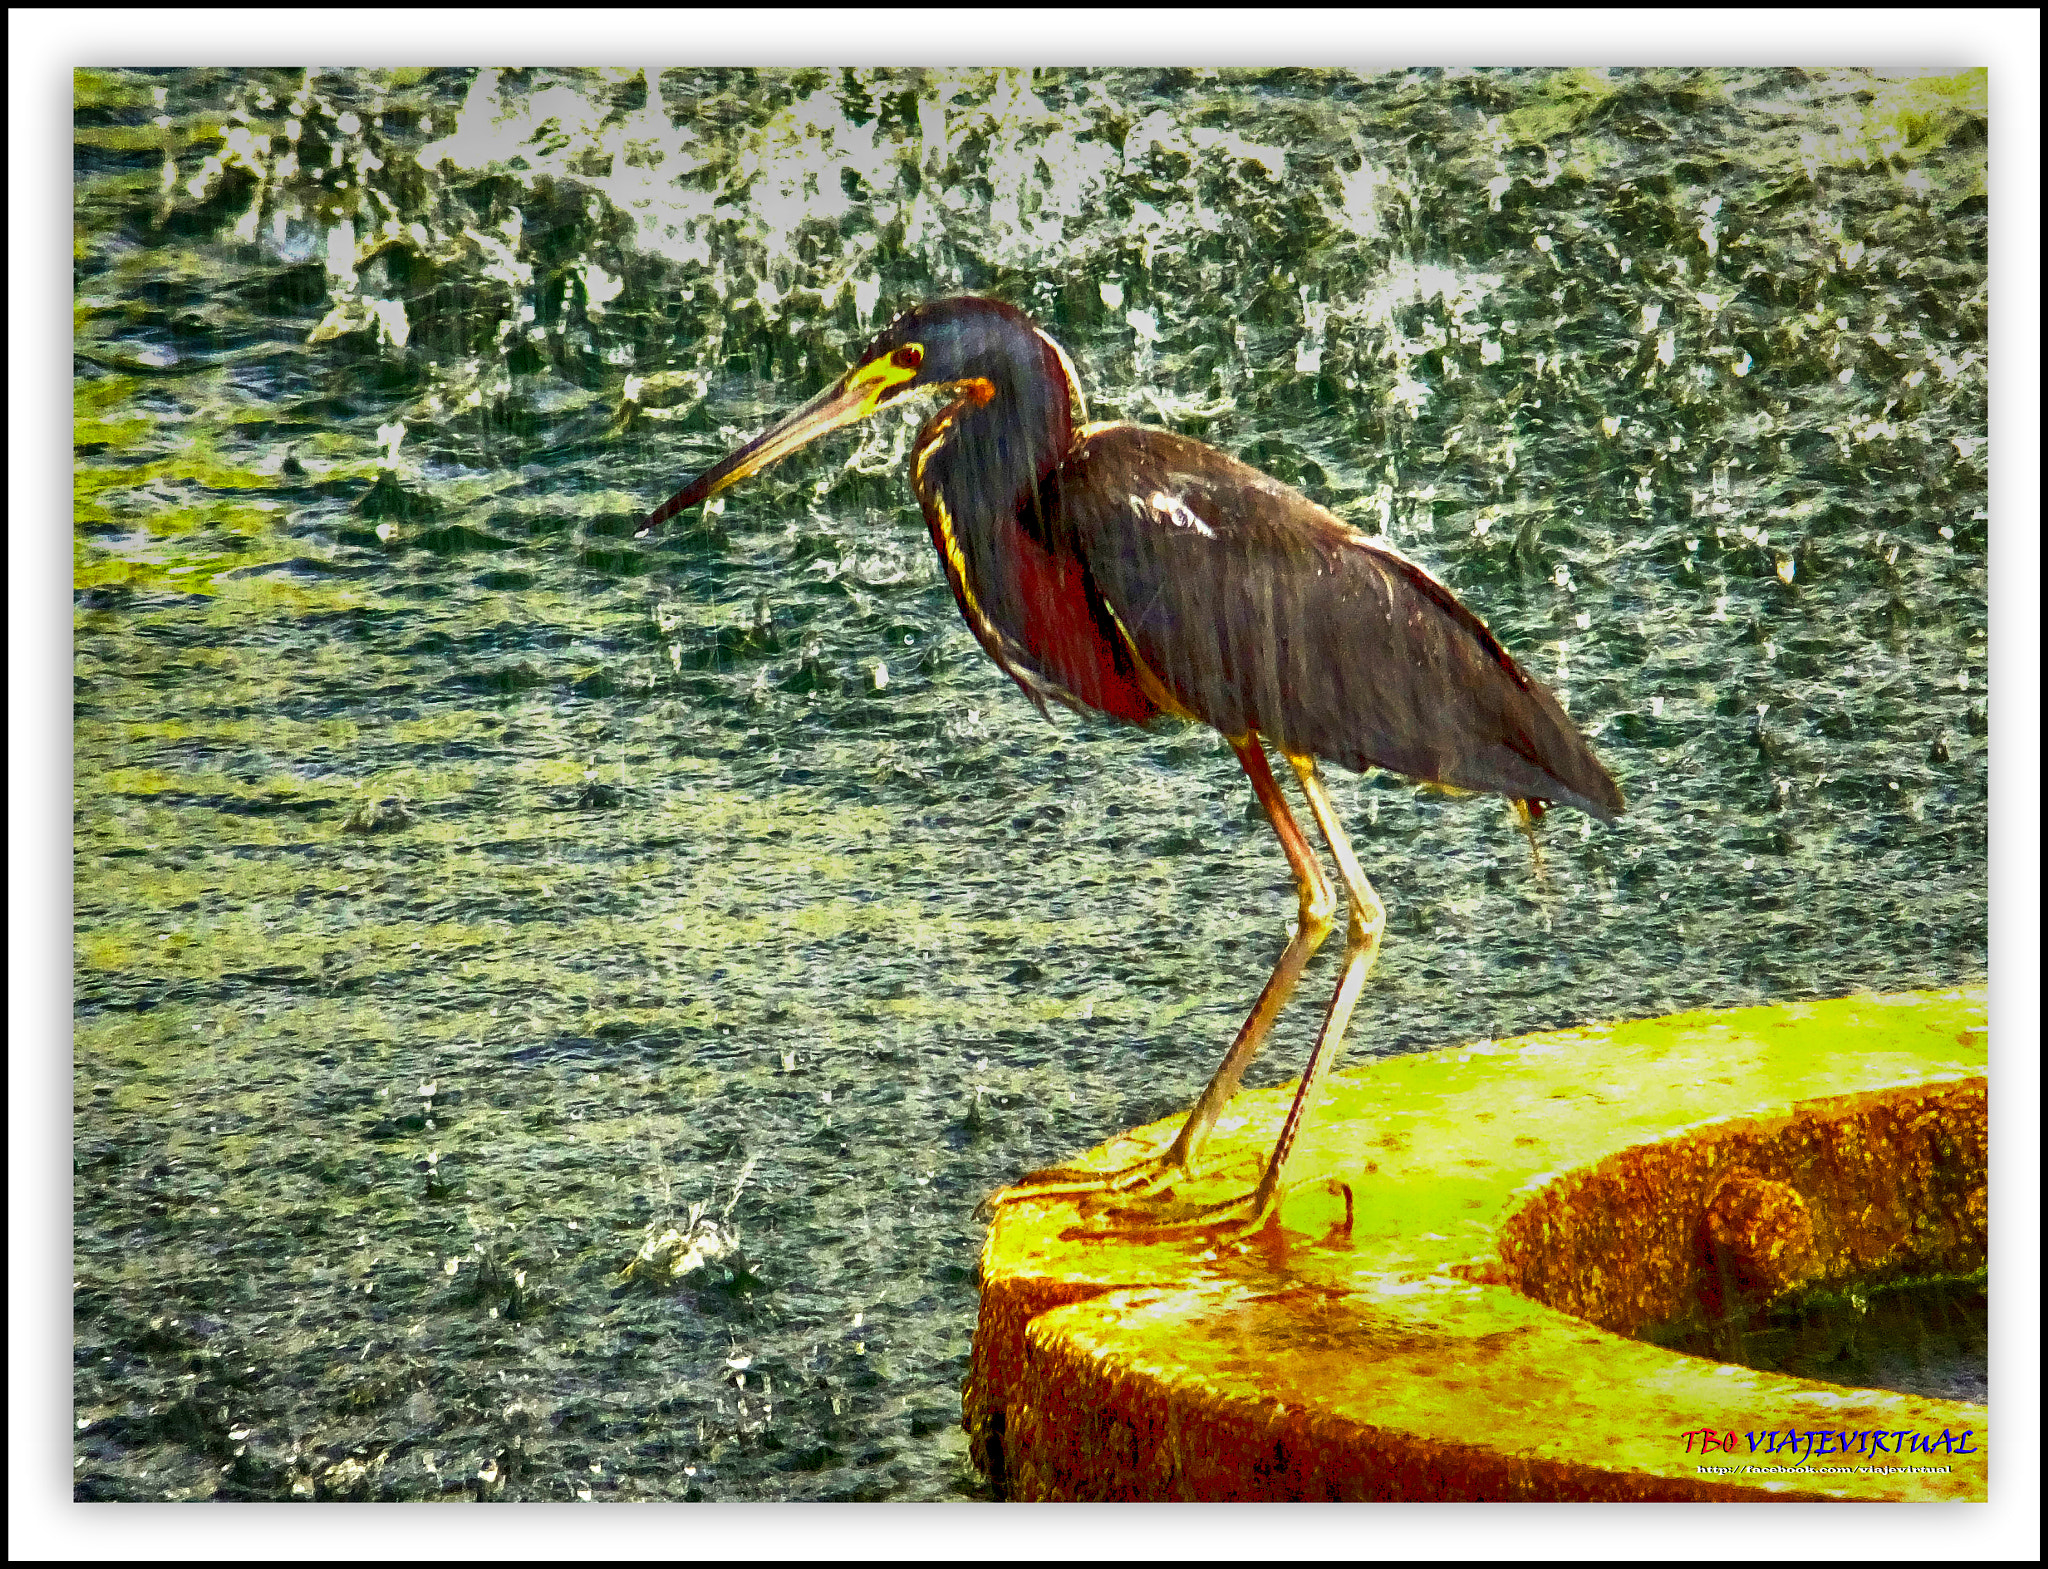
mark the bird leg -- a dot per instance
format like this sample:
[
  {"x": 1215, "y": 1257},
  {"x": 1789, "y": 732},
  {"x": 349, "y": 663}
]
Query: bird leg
[
  {"x": 1368, "y": 921},
  {"x": 1318, "y": 911},
  {"x": 1368, "y": 924}
]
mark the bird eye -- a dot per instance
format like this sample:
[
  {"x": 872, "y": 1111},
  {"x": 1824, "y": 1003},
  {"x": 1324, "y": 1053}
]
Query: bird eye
[{"x": 909, "y": 357}]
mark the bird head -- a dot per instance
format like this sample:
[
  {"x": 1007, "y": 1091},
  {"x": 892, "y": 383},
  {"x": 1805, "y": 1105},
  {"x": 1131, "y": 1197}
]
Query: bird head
[{"x": 966, "y": 346}]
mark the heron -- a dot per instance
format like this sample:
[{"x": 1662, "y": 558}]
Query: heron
[{"x": 1125, "y": 570}]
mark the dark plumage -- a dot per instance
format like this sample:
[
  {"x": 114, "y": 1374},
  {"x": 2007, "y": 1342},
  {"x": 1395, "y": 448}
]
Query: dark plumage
[
  {"x": 1133, "y": 572},
  {"x": 1260, "y": 611}
]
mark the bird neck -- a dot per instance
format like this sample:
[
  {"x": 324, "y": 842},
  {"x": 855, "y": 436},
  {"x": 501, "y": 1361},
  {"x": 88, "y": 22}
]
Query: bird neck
[{"x": 985, "y": 454}]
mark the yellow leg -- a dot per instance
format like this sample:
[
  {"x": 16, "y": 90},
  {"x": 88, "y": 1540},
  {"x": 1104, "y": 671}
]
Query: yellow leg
[
  {"x": 1368, "y": 921},
  {"x": 1361, "y": 951},
  {"x": 1318, "y": 910}
]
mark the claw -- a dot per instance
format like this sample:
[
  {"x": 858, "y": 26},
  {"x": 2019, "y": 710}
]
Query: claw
[
  {"x": 1154, "y": 1215},
  {"x": 1141, "y": 1179},
  {"x": 1096, "y": 1187},
  {"x": 1242, "y": 1229},
  {"x": 1246, "y": 1215}
]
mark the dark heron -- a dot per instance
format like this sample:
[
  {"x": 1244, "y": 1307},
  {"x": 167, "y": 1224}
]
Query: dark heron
[{"x": 1128, "y": 571}]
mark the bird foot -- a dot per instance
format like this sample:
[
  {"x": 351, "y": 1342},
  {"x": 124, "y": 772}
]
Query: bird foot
[
  {"x": 1096, "y": 1188},
  {"x": 1137, "y": 1203},
  {"x": 1250, "y": 1218},
  {"x": 1166, "y": 1219}
]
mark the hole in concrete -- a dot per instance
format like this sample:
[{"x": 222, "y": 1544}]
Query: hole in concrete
[
  {"x": 1844, "y": 1242},
  {"x": 1914, "y": 1337}
]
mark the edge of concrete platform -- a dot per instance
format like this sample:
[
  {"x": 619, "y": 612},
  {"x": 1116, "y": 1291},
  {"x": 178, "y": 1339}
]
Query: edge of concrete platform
[{"x": 1519, "y": 1210}]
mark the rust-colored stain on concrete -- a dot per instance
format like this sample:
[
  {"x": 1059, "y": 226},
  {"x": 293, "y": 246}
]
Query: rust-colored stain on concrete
[{"x": 1519, "y": 1209}]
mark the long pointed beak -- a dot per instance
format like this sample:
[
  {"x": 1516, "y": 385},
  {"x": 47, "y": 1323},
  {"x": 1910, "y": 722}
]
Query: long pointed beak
[{"x": 854, "y": 396}]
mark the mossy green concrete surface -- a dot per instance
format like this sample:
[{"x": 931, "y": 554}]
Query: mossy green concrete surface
[{"x": 1408, "y": 1356}]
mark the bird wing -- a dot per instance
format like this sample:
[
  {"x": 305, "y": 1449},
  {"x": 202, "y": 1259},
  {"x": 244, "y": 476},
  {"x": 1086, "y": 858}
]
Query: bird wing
[{"x": 1259, "y": 611}]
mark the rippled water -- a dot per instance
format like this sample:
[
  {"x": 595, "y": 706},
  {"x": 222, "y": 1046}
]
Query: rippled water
[{"x": 465, "y": 889}]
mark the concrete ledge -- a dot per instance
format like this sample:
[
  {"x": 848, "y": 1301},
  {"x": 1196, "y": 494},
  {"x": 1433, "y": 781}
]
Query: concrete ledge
[{"x": 1518, "y": 1209}]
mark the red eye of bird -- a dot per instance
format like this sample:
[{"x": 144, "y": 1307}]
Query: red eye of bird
[{"x": 909, "y": 357}]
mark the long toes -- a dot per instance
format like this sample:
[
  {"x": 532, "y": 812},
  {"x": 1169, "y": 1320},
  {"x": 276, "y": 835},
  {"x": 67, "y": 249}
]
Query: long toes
[
  {"x": 1140, "y": 1201},
  {"x": 1053, "y": 1182},
  {"x": 1090, "y": 1185},
  {"x": 1050, "y": 1175},
  {"x": 1166, "y": 1221}
]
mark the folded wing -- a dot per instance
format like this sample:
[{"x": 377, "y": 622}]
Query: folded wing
[{"x": 1258, "y": 610}]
